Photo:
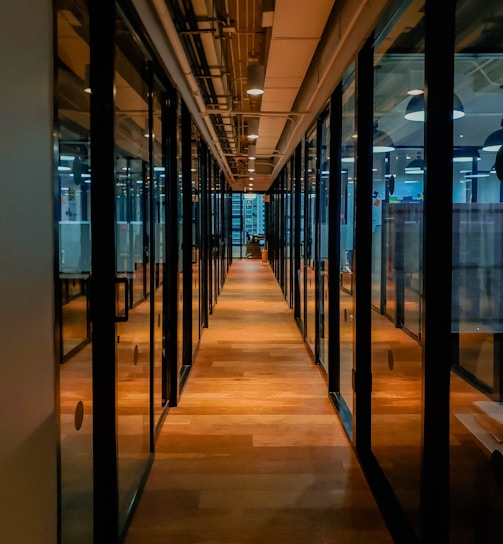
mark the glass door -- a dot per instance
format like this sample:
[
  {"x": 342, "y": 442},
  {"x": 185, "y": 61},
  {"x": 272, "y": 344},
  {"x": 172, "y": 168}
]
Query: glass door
[
  {"x": 133, "y": 137},
  {"x": 158, "y": 249},
  {"x": 323, "y": 261},
  {"x": 310, "y": 240},
  {"x": 300, "y": 221},
  {"x": 346, "y": 201},
  {"x": 73, "y": 247},
  {"x": 397, "y": 209},
  {"x": 196, "y": 240}
]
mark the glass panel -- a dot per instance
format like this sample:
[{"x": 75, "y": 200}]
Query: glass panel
[
  {"x": 238, "y": 230},
  {"x": 477, "y": 305},
  {"x": 347, "y": 227},
  {"x": 180, "y": 240},
  {"x": 302, "y": 228},
  {"x": 323, "y": 313},
  {"x": 161, "y": 389},
  {"x": 72, "y": 182},
  {"x": 215, "y": 210},
  {"x": 254, "y": 224},
  {"x": 310, "y": 240},
  {"x": 248, "y": 225},
  {"x": 397, "y": 198},
  {"x": 288, "y": 233},
  {"x": 196, "y": 235},
  {"x": 132, "y": 137}
]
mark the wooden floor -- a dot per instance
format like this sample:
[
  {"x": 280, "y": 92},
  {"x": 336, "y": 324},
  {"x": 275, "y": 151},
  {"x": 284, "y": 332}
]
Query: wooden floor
[{"x": 255, "y": 453}]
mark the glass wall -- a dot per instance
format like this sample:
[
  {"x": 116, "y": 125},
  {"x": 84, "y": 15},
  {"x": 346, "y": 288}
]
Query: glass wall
[
  {"x": 138, "y": 250},
  {"x": 180, "y": 217},
  {"x": 323, "y": 262},
  {"x": 300, "y": 221},
  {"x": 72, "y": 216},
  {"x": 196, "y": 239},
  {"x": 248, "y": 225},
  {"x": 216, "y": 215},
  {"x": 133, "y": 134},
  {"x": 346, "y": 242},
  {"x": 73, "y": 176},
  {"x": 310, "y": 256},
  {"x": 289, "y": 238},
  {"x": 239, "y": 239},
  {"x": 158, "y": 249},
  {"x": 397, "y": 208},
  {"x": 477, "y": 305}
]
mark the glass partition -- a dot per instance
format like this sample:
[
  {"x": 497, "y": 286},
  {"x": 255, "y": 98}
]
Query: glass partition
[
  {"x": 240, "y": 237},
  {"x": 396, "y": 252},
  {"x": 133, "y": 134},
  {"x": 346, "y": 244},
  {"x": 323, "y": 263},
  {"x": 180, "y": 218},
  {"x": 300, "y": 220},
  {"x": 158, "y": 248},
  {"x": 216, "y": 204},
  {"x": 196, "y": 240},
  {"x": 310, "y": 239},
  {"x": 73, "y": 246},
  {"x": 476, "y": 397},
  {"x": 290, "y": 227}
]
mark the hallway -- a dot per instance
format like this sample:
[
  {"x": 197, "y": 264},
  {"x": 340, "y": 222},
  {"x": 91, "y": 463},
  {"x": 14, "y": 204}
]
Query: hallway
[{"x": 255, "y": 453}]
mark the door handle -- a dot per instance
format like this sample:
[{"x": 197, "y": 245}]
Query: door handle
[{"x": 125, "y": 317}]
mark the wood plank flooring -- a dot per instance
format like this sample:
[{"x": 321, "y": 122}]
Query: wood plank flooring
[{"x": 255, "y": 453}]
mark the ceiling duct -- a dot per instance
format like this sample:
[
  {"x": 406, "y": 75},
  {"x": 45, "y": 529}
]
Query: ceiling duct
[
  {"x": 211, "y": 36},
  {"x": 166, "y": 39}
]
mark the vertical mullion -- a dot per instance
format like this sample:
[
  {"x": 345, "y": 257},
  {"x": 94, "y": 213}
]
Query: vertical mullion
[
  {"x": 334, "y": 240},
  {"x": 151, "y": 255},
  {"x": 437, "y": 266},
  {"x": 187, "y": 234},
  {"x": 103, "y": 274},
  {"x": 170, "y": 289},
  {"x": 362, "y": 252},
  {"x": 296, "y": 256}
]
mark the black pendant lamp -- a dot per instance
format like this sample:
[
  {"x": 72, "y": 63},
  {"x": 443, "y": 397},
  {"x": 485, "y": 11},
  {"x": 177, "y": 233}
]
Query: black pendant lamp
[
  {"x": 415, "y": 108},
  {"x": 415, "y": 166},
  {"x": 382, "y": 142},
  {"x": 494, "y": 141}
]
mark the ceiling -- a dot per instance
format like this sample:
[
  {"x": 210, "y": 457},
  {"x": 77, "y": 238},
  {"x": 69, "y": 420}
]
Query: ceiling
[
  {"x": 206, "y": 47},
  {"x": 306, "y": 47},
  {"x": 214, "y": 42}
]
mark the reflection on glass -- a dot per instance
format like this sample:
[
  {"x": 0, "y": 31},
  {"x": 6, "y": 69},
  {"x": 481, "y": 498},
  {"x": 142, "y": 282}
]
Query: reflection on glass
[
  {"x": 301, "y": 275},
  {"x": 240, "y": 235},
  {"x": 323, "y": 309},
  {"x": 132, "y": 182},
  {"x": 346, "y": 241},
  {"x": 310, "y": 240},
  {"x": 216, "y": 203},
  {"x": 161, "y": 387},
  {"x": 289, "y": 232},
  {"x": 72, "y": 185},
  {"x": 477, "y": 280},
  {"x": 196, "y": 241},
  {"x": 180, "y": 241},
  {"x": 397, "y": 209},
  {"x": 248, "y": 225}
]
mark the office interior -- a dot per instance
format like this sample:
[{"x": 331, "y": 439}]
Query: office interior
[{"x": 380, "y": 168}]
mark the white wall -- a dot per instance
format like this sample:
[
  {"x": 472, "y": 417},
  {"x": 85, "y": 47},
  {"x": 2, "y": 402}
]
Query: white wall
[{"x": 28, "y": 430}]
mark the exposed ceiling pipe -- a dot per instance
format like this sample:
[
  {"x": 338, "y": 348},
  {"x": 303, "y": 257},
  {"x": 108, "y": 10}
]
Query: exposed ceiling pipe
[
  {"x": 213, "y": 52},
  {"x": 176, "y": 62}
]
